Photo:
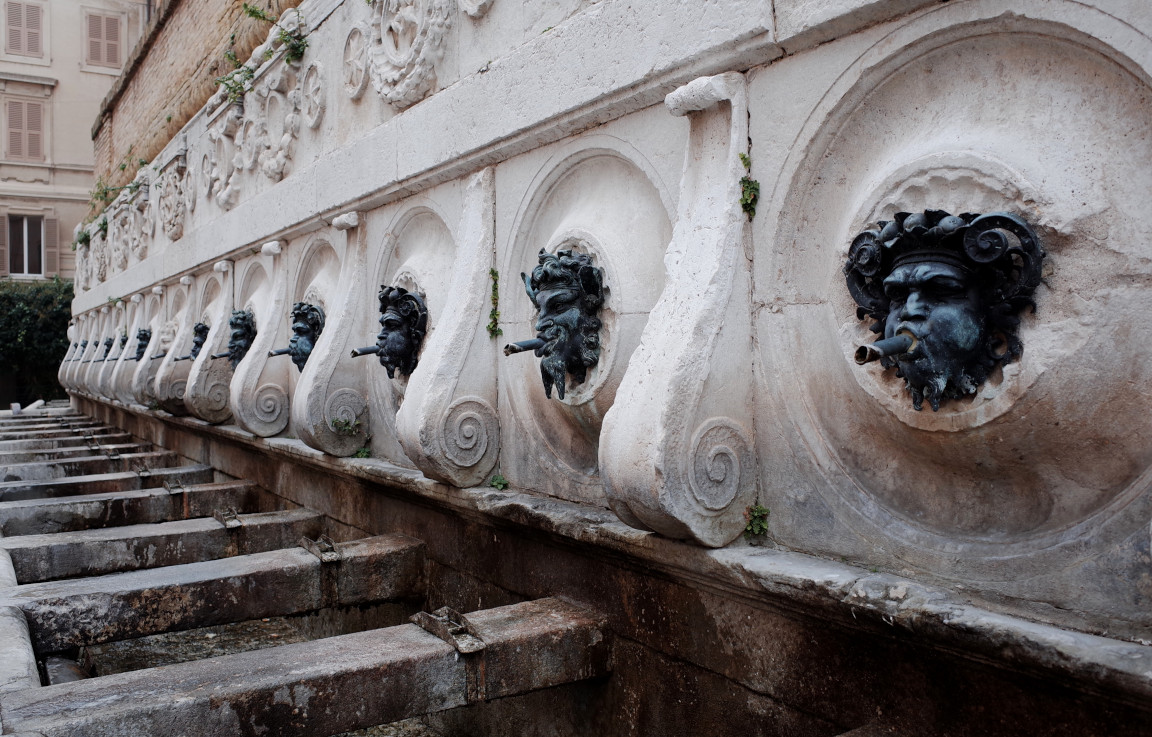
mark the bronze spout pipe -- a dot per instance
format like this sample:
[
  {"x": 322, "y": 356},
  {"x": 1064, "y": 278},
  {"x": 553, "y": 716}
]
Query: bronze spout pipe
[
  {"x": 279, "y": 352},
  {"x": 524, "y": 345},
  {"x": 369, "y": 350},
  {"x": 214, "y": 356},
  {"x": 902, "y": 342},
  {"x": 159, "y": 355}
]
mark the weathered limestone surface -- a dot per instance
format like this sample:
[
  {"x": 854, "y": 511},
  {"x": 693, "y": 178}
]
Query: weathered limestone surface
[{"x": 712, "y": 162}]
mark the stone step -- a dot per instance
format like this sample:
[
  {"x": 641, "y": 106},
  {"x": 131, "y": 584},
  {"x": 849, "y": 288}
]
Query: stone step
[
  {"x": 328, "y": 686},
  {"x": 138, "y": 547},
  {"x": 119, "y": 606},
  {"x": 38, "y": 419},
  {"x": 133, "y": 507},
  {"x": 67, "y": 441},
  {"x": 45, "y": 426},
  {"x": 105, "y": 482},
  {"x": 11, "y": 457},
  {"x": 60, "y": 432},
  {"x": 86, "y": 465}
]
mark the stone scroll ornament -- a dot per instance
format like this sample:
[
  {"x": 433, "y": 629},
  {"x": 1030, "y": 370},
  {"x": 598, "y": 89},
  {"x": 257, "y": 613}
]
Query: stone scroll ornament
[
  {"x": 946, "y": 292},
  {"x": 568, "y": 292},
  {"x": 677, "y": 450},
  {"x": 403, "y": 324},
  {"x": 307, "y": 325}
]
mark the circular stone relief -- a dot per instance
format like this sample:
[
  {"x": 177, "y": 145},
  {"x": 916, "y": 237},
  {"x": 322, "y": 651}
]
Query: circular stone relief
[
  {"x": 312, "y": 100},
  {"x": 356, "y": 62},
  {"x": 1000, "y": 121}
]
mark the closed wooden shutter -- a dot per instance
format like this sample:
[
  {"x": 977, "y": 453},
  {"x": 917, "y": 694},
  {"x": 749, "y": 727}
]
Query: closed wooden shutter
[
  {"x": 33, "y": 30},
  {"x": 25, "y": 130},
  {"x": 3, "y": 245},
  {"x": 25, "y": 29},
  {"x": 34, "y": 130},
  {"x": 15, "y": 116},
  {"x": 112, "y": 40},
  {"x": 103, "y": 39},
  {"x": 51, "y": 246}
]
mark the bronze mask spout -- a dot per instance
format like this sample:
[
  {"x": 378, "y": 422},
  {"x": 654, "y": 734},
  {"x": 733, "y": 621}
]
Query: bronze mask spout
[
  {"x": 368, "y": 350},
  {"x": 524, "y": 345},
  {"x": 278, "y": 352},
  {"x": 902, "y": 342},
  {"x": 217, "y": 356}
]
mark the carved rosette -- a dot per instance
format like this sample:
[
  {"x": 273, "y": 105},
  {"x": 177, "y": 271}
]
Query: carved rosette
[
  {"x": 408, "y": 41},
  {"x": 356, "y": 61},
  {"x": 311, "y": 91}
]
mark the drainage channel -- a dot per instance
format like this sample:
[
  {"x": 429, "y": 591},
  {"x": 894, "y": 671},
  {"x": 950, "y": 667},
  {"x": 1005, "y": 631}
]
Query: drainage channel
[{"x": 141, "y": 593}]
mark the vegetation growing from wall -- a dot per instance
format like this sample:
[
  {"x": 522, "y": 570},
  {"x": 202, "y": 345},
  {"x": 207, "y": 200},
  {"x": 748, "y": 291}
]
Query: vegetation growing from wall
[{"x": 33, "y": 338}]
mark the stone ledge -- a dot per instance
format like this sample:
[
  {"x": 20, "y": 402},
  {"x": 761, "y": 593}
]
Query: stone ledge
[{"x": 878, "y": 603}]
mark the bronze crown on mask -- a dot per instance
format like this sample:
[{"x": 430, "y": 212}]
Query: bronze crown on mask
[{"x": 945, "y": 291}]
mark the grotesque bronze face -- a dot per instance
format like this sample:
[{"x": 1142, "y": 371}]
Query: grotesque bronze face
[
  {"x": 403, "y": 322},
  {"x": 568, "y": 292},
  {"x": 946, "y": 292},
  {"x": 307, "y": 324},
  {"x": 242, "y": 325},
  {"x": 143, "y": 338},
  {"x": 199, "y": 335}
]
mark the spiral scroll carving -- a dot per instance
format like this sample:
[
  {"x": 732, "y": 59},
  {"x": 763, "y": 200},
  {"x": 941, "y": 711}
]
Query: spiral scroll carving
[
  {"x": 216, "y": 398},
  {"x": 344, "y": 408},
  {"x": 468, "y": 428},
  {"x": 271, "y": 403},
  {"x": 177, "y": 389},
  {"x": 721, "y": 459}
]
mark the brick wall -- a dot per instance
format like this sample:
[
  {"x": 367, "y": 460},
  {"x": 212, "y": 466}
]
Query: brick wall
[{"x": 185, "y": 48}]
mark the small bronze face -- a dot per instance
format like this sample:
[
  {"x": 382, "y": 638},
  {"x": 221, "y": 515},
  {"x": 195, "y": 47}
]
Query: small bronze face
[
  {"x": 946, "y": 292},
  {"x": 403, "y": 322},
  {"x": 199, "y": 335},
  {"x": 242, "y": 325},
  {"x": 143, "y": 338},
  {"x": 568, "y": 292},
  {"x": 307, "y": 325}
]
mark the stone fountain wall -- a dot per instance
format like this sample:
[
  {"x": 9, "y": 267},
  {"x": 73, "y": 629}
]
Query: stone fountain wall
[{"x": 438, "y": 146}]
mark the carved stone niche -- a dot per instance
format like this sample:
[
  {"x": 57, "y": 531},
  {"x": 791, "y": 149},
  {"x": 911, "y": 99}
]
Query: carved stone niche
[
  {"x": 1032, "y": 485},
  {"x": 417, "y": 252},
  {"x": 603, "y": 226},
  {"x": 172, "y": 374}
]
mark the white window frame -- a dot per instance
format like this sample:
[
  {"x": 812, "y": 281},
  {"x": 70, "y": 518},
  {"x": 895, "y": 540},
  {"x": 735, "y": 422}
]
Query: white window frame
[
  {"x": 45, "y": 128},
  {"x": 25, "y": 274},
  {"x": 45, "y": 59},
  {"x": 85, "y": 66}
]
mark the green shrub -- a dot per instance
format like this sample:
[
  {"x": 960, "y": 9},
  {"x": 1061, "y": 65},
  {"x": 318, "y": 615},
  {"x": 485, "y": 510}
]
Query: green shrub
[{"x": 33, "y": 338}]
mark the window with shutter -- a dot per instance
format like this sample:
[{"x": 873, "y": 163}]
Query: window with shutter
[
  {"x": 24, "y": 35},
  {"x": 25, "y": 241},
  {"x": 25, "y": 119},
  {"x": 103, "y": 39}
]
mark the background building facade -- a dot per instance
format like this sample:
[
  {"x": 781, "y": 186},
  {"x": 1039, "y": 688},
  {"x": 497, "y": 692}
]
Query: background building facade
[{"x": 58, "y": 60}]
